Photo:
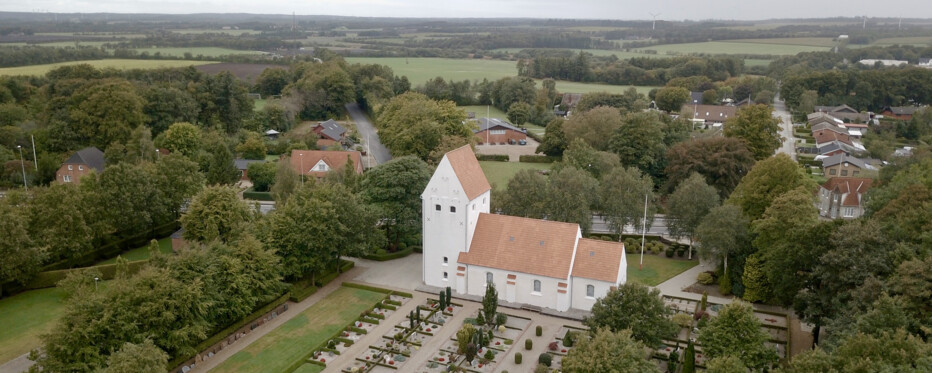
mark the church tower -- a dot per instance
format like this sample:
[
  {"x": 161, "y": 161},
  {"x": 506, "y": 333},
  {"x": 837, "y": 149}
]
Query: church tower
[{"x": 451, "y": 203}]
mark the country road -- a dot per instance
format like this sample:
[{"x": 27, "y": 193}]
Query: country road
[
  {"x": 368, "y": 134},
  {"x": 786, "y": 128}
]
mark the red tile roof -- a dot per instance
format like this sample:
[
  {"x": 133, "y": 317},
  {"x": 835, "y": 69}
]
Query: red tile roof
[
  {"x": 468, "y": 171},
  {"x": 334, "y": 159},
  {"x": 852, "y": 187},
  {"x": 532, "y": 246},
  {"x": 824, "y": 136},
  {"x": 598, "y": 260}
]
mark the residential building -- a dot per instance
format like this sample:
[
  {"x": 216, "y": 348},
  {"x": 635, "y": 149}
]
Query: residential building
[
  {"x": 884, "y": 63},
  {"x": 899, "y": 112},
  {"x": 534, "y": 262},
  {"x": 272, "y": 134},
  {"x": 79, "y": 164},
  {"x": 709, "y": 114},
  {"x": 496, "y": 131},
  {"x": 317, "y": 163},
  {"x": 570, "y": 100},
  {"x": 243, "y": 166},
  {"x": 844, "y": 165},
  {"x": 826, "y": 136},
  {"x": 844, "y": 112},
  {"x": 695, "y": 98},
  {"x": 330, "y": 129},
  {"x": 842, "y": 197},
  {"x": 925, "y": 62}
]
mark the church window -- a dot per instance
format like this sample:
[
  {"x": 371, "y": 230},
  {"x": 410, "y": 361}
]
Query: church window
[
  {"x": 590, "y": 291},
  {"x": 488, "y": 277},
  {"x": 452, "y": 208},
  {"x": 444, "y": 275},
  {"x": 445, "y": 260},
  {"x": 537, "y": 286},
  {"x": 437, "y": 207}
]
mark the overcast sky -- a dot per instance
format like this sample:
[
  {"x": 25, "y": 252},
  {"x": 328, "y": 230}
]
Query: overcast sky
[{"x": 592, "y": 9}]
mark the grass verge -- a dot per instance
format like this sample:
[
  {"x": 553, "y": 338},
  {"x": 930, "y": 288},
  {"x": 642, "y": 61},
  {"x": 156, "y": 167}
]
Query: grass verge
[
  {"x": 499, "y": 173},
  {"x": 657, "y": 268}
]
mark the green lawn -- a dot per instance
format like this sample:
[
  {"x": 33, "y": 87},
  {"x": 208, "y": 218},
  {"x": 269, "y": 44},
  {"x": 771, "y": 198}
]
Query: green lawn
[
  {"x": 309, "y": 368},
  {"x": 24, "y": 317},
  {"x": 290, "y": 342},
  {"x": 499, "y": 173},
  {"x": 258, "y": 104},
  {"x": 657, "y": 268},
  {"x": 195, "y": 51},
  {"x": 576, "y": 87},
  {"x": 142, "y": 253},
  {"x": 100, "y": 64},
  {"x": 724, "y": 47},
  {"x": 481, "y": 110}
]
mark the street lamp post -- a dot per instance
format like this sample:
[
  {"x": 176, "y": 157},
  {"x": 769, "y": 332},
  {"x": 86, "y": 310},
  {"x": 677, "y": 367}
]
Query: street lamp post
[
  {"x": 22, "y": 164},
  {"x": 158, "y": 154},
  {"x": 302, "y": 167},
  {"x": 95, "y": 282}
]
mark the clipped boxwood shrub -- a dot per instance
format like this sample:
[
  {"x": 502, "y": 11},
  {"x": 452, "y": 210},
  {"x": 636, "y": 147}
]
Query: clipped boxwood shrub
[
  {"x": 706, "y": 278},
  {"x": 669, "y": 252},
  {"x": 539, "y": 331},
  {"x": 518, "y": 357},
  {"x": 492, "y": 157},
  {"x": 258, "y": 196},
  {"x": 527, "y": 158},
  {"x": 381, "y": 255},
  {"x": 545, "y": 359},
  {"x": 528, "y": 344}
]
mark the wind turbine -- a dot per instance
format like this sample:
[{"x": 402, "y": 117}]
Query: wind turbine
[{"x": 653, "y": 25}]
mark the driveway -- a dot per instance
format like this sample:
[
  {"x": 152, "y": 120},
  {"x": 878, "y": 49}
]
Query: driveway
[
  {"x": 368, "y": 135},
  {"x": 514, "y": 152}
]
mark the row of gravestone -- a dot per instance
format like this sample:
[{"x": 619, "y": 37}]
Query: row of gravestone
[{"x": 242, "y": 332}]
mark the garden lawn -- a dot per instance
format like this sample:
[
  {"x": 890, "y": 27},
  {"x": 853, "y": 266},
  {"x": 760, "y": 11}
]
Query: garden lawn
[
  {"x": 480, "y": 111},
  {"x": 25, "y": 317},
  {"x": 297, "y": 337},
  {"x": 309, "y": 368},
  {"x": 657, "y": 268},
  {"x": 499, "y": 173},
  {"x": 122, "y": 64},
  {"x": 142, "y": 253}
]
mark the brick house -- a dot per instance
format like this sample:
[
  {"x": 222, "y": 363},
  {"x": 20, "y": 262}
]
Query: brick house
[
  {"x": 844, "y": 165},
  {"x": 497, "y": 131},
  {"x": 842, "y": 197},
  {"x": 243, "y": 166},
  {"x": 709, "y": 114},
  {"x": 79, "y": 164},
  {"x": 317, "y": 163},
  {"x": 899, "y": 112},
  {"x": 330, "y": 130}
]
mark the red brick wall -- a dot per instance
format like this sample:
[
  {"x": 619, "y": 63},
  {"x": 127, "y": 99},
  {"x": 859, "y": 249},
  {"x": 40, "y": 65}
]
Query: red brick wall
[
  {"x": 75, "y": 172},
  {"x": 499, "y": 139}
]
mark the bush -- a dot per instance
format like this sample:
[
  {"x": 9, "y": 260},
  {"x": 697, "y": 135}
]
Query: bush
[
  {"x": 381, "y": 255},
  {"x": 655, "y": 247},
  {"x": 545, "y": 359},
  {"x": 518, "y": 358},
  {"x": 501, "y": 318},
  {"x": 528, "y": 344},
  {"x": 706, "y": 278},
  {"x": 724, "y": 285},
  {"x": 684, "y": 320},
  {"x": 670, "y": 252},
  {"x": 681, "y": 251},
  {"x": 569, "y": 338},
  {"x": 553, "y": 346},
  {"x": 489, "y": 355},
  {"x": 258, "y": 196},
  {"x": 538, "y": 158},
  {"x": 541, "y": 368},
  {"x": 492, "y": 157},
  {"x": 539, "y": 331}
]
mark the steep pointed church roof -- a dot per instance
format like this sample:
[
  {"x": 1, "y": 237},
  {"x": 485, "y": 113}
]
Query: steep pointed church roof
[{"x": 468, "y": 171}]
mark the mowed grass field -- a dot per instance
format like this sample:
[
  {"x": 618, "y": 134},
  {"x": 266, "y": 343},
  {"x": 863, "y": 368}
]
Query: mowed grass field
[
  {"x": 732, "y": 47},
  {"x": 480, "y": 110},
  {"x": 195, "y": 51},
  {"x": 287, "y": 344},
  {"x": 657, "y": 268},
  {"x": 25, "y": 317},
  {"x": 122, "y": 64},
  {"x": 142, "y": 253},
  {"x": 499, "y": 173}
]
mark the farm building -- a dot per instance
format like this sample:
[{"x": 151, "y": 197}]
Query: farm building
[{"x": 533, "y": 262}]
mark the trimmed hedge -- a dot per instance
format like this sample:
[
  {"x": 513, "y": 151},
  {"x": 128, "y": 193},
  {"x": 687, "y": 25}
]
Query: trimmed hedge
[
  {"x": 389, "y": 256},
  {"x": 112, "y": 247},
  {"x": 518, "y": 358},
  {"x": 528, "y": 344},
  {"x": 49, "y": 279},
  {"x": 492, "y": 157},
  {"x": 259, "y": 196},
  {"x": 303, "y": 288},
  {"x": 537, "y": 159},
  {"x": 226, "y": 332}
]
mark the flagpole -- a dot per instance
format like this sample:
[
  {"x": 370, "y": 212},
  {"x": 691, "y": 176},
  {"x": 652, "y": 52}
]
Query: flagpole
[{"x": 643, "y": 231}]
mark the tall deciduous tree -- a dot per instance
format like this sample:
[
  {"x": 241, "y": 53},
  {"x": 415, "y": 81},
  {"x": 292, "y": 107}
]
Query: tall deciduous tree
[
  {"x": 106, "y": 111},
  {"x": 57, "y": 222},
  {"x": 412, "y": 124},
  {"x": 145, "y": 357},
  {"x": 765, "y": 182},
  {"x": 554, "y": 142},
  {"x": 737, "y": 332},
  {"x": 21, "y": 258},
  {"x": 723, "y": 232},
  {"x": 215, "y": 213},
  {"x": 167, "y": 105},
  {"x": 622, "y": 196},
  {"x": 525, "y": 195},
  {"x": 609, "y": 351},
  {"x": 182, "y": 138},
  {"x": 177, "y": 179},
  {"x": 671, "y": 98},
  {"x": 595, "y": 126},
  {"x": 688, "y": 206},
  {"x": 639, "y": 142},
  {"x": 131, "y": 198},
  {"x": 894, "y": 351},
  {"x": 634, "y": 307},
  {"x": 262, "y": 175},
  {"x": 220, "y": 166},
  {"x": 571, "y": 196},
  {"x": 584, "y": 157},
  {"x": 394, "y": 188},
  {"x": 723, "y": 161},
  {"x": 757, "y": 127}
]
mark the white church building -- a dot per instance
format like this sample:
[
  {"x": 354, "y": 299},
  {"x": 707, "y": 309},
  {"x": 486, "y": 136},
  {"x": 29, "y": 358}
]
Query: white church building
[{"x": 535, "y": 262}]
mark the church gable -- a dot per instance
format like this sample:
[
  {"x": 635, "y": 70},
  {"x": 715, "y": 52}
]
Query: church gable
[{"x": 467, "y": 170}]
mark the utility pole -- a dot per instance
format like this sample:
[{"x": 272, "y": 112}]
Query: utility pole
[
  {"x": 35, "y": 160},
  {"x": 22, "y": 164},
  {"x": 643, "y": 231}
]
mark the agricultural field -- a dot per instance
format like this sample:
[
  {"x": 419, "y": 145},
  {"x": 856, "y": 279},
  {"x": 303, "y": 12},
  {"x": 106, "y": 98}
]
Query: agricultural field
[
  {"x": 577, "y": 87},
  {"x": 25, "y": 317},
  {"x": 291, "y": 341},
  {"x": 61, "y": 44},
  {"x": 909, "y": 40},
  {"x": 813, "y": 42},
  {"x": 101, "y": 64},
  {"x": 499, "y": 173},
  {"x": 420, "y": 70},
  {"x": 212, "y": 31},
  {"x": 195, "y": 51},
  {"x": 724, "y": 47},
  {"x": 623, "y": 55}
]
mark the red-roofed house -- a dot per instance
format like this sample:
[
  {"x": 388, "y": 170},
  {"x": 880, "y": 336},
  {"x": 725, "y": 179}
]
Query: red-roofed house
[
  {"x": 317, "y": 163},
  {"x": 842, "y": 197},
  {"x": 826, "y": 136},
  {"x": 534, "y": 262}
]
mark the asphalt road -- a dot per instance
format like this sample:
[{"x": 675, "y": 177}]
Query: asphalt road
[
  {"x": 368, "y": 135},
  {"x": 786, "y": 128},
  {"x": 657, "y": 228}
]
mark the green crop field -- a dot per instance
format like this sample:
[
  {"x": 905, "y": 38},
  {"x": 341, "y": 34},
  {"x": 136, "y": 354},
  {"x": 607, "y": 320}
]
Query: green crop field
[
  {"x": 288, "y": 343},
  {"x": 499, "y": 173},
  {"x": 657, "y": 268},
  {"x": 420, "y": 70},
  {"x": 813, "y": 42},
  {"x": 231, "y": 32},
  {"x": 906, "y": 40},
  {"x": 577, "y": 87},
  {"x": 748, "y": 62},
  {"x": 101, "y": 64},
  {"x": 723, "y": 47},
  {"x": 595, "y": 52},
  {"x": 195, "y": 51},
  {"x": 25, "y": 317}
]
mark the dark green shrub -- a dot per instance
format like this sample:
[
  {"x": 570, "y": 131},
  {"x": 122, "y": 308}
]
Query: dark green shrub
[
  {"x": 528, "y": 344},
  {"x": 681, "y": 252},
  {"x": 568, "y": 339},
  {"x": 518, "y": 358},
  {"x": 489, "y": 355},
  {"x": 331, "y": 345},
  {"x": 545, "y": 359},
  {"x": 538, "y": 159},
  {"x": 669, "y": 252},
  {"x": 492, "y": 157},
  {"x": 539, "y": 331},
  {"x": 705, "y": 278}
]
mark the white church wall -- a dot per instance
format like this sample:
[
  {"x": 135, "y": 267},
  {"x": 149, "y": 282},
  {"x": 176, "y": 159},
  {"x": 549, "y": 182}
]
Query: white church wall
[
  {"x": 523, "y": 288},
  {"x": 444, "y": 231},
  {"x": 583, "y": 302}
]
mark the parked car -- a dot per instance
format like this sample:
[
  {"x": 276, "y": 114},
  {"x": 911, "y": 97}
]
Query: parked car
[
  {"x": 511, "y": 141},
  {"x": 522, "y": 142}
]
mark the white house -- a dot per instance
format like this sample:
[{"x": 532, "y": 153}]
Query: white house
[{"x": 530, "y": 261}]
